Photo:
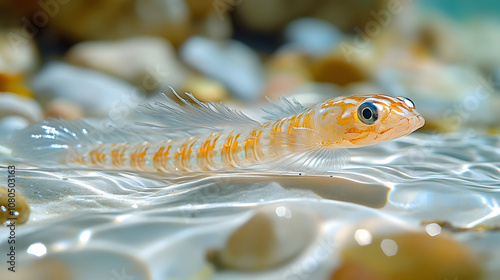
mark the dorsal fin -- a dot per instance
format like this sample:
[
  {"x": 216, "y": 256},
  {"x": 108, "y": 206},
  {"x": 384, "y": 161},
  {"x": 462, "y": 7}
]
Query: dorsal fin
[
  {"x": 195, "y": 115},
  {"x": 285, "y": 107}
]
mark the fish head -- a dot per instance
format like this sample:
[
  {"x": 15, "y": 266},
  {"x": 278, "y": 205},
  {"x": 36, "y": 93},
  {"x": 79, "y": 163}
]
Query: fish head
[{"x": 363, "y": 120}]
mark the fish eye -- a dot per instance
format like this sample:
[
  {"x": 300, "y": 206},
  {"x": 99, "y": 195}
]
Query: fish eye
[
  {"x": 367, "y": 113},
  {"x": 408, "y": 102}
]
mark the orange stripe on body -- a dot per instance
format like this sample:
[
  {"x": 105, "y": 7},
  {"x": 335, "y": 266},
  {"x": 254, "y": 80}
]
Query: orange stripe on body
[
  {"x": 183, "y": 155},
  {"x": 293, "y": 122},
  {"x": 251, "y": 144},
  {"x": 276, "y": 138},
  {"x": 202, "y": 155},
  {"x": 235, "y": 149},
  {"x": 118, "y": 155},
  {"x": 225, "y": 152},
  {"x": 137, "y": 157},
  {"x": 277, "y": 125},
  {"x": 205, "y": 153},
  {"x": 229, "y": 151},
  {"x": 93, "y": 155},
  {"x": 210, "y": 151},
  {"x": 161, "y": 157},
  {"x": 307, "y": 119},
  {"x": 97, "y": 156},
  {"x": 78, "y": 159}
]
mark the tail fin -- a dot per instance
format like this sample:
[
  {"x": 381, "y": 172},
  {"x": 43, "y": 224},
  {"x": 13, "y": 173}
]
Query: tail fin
[
  {"x": 52, "y": 140},
  {"x": 49, "y": 140}
]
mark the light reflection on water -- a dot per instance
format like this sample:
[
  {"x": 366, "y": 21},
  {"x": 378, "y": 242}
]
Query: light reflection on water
[{"x": 154, "y": 223}]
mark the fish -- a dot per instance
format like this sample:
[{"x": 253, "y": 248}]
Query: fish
[{"x": 194, "y": 136}]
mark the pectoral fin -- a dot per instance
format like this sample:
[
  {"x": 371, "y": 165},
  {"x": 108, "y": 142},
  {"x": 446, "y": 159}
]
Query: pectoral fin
[{"x": 302, "y": 151}]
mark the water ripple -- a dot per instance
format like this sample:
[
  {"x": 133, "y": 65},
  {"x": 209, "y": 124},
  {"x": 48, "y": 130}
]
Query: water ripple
[{"x": 136, "y": 219}]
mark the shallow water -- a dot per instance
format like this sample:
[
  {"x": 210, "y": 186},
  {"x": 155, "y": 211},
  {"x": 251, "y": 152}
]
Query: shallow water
[{"x": 113, "y": 225}]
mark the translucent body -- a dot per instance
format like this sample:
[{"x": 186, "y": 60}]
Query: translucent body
[{"x": 330, "y": 125}]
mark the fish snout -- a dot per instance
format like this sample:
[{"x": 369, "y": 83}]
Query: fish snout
[{"x": 417, "y": 122}]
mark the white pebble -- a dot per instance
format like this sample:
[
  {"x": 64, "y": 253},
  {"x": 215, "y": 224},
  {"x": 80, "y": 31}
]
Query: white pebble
[
  {"x": 230, "y": 62},
  {"x": 15, "y": 105},
  {"x": 147, "y": 62},
  {"x": 315, "y": 37},
  {"x": 274, "y": 235},
  {"x": 95, "y": 92}
]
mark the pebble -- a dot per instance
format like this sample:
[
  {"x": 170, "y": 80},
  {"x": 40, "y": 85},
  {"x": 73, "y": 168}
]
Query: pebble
[
  {"x": 21, "y": 207},
  {"x": 355, "y": 14},
  {"x": 96, "y": 93},
  {"x": 230, "y": 62},
  {"x": 41, "y": 269},
  {"x": 16, "y": 105},
  {"x": 314, "y": 37},
  {"x": 287, "y": 70},
  {"x": 289, "y": 61},
  {"x": 147, "y": 62},
  {"x": 408, "y": 256},
  {"x": 14, "y": 83},
  {"x": 282, "y": 85},
  {"x": 8, "y": 125},
  {"x": 274, "y": 235},
  {"x": 271, "y": 16},
  {"x": 205, "y": 89},
  {"x": 60, "y": 108},
  {"x": 215, "y": 26},
  {"x": 438, "y": 32},
  {"x": 174, "y": 20},
  {"x": 18, "y": 53},
  {"x": 84, "y": 263},
  {"x": 105, "y": 20},
  {"x": 336, "y": 69}
]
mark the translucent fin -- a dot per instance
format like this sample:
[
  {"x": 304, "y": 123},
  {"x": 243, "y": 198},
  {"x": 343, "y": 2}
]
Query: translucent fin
[
  {"x": 317, "y": 161},
  {"x": 51, "y": 140},
  {"x": 195, "y": 115},
  {"x": 309, "y": 156},
  {"x": 284, "y": 108}
]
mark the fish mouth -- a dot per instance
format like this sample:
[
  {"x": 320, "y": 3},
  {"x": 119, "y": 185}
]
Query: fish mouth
[
  {"x": 409, "y": 125},
  {"x": 418, "y": 122},
  {"x": 415, "y": 123}
]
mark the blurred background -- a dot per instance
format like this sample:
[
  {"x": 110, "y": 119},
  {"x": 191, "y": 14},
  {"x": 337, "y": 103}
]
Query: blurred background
[
  {"x": 429, "y": 199},
  {"x": 73, "y": 58}
]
